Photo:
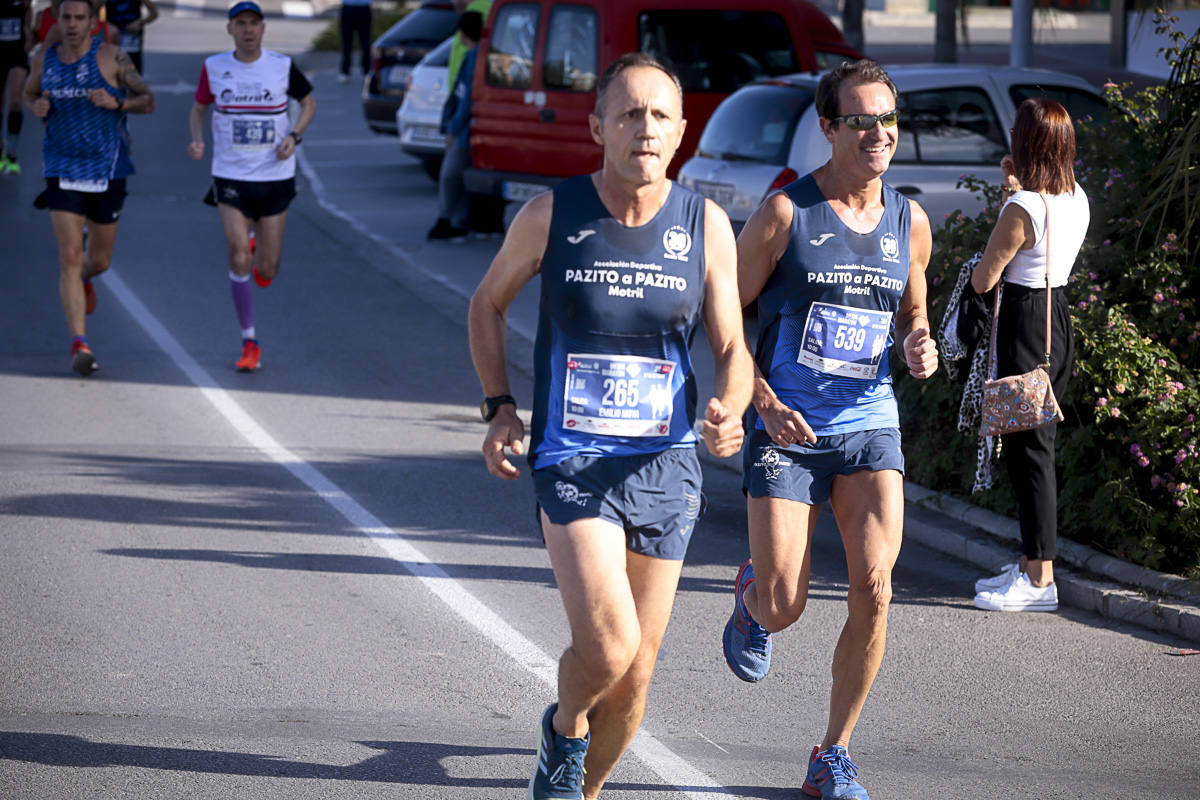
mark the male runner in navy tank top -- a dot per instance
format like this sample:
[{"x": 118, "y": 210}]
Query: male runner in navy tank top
[
  {"x": 83, "y": 88},
  {"x": 837, "y": 263},
  {"x": 630, "y": 264}
]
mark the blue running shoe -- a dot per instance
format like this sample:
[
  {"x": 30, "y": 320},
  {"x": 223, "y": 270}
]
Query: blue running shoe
[
  {"x": 747, "y": 644},
  {"x": 831, "y": 776},
  {"x": 559, "y": 773}
]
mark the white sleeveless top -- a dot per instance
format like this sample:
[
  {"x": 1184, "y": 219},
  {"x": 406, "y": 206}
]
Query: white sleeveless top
[{"x": 1070, "y": 215}]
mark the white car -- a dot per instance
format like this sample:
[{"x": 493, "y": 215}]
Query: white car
[
  {"x": 419, "y": 118},
  {"x": 954, "y": 120}
]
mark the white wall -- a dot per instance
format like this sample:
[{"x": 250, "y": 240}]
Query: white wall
[{"x": 1142, "y": 43}]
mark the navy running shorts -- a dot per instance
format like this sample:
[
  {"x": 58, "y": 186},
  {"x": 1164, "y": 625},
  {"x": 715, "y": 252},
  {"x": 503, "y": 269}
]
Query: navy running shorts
[
  {"x": 102, "y": 208},
  {"x": 805, "y": 473},
  {"x": 655, "y": 497},
  {"x": 255, "y": 199}
]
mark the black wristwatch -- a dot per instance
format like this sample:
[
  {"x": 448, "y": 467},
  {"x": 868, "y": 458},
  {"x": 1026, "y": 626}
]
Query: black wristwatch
[
  {"x": 296, "y": 136},
  {"x": 490, "y": 405}
]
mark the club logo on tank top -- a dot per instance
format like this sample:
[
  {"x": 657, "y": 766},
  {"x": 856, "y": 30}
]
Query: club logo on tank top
[
  {"x": 890, "y": 246},
  {"x": 677, "y": 243}
]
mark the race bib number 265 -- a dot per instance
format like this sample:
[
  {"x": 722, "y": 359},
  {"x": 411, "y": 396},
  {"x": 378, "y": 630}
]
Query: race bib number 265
[{"x": 618, "y": 395}]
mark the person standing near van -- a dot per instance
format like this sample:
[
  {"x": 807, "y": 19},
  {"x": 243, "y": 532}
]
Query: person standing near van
[
  {"x": 453, "y": 199},
  {"x": 630, "y": 264},
  {"x": 131, "y": 18},
  {"x": 837, "y": 263},
  {"x": 355, "y": 20}
]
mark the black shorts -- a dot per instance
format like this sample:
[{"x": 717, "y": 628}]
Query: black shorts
[
  {"x": 12, "y": 56},
  {"x": 103, "y": 208},
  {"x": 255, "y": 199}
]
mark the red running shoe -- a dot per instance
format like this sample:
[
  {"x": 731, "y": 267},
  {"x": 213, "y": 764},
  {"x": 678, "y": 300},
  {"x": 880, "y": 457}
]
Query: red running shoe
[
  {"x": 251, "y": 354},
  {"x": 259, "y": 279},
  {"x": 82, "y": 360},
  {"x": 89, "y": 297}
]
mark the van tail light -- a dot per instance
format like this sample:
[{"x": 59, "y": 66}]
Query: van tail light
[
  {"x": 377, "y": 65},
  {"x": 783, "y": 179}
]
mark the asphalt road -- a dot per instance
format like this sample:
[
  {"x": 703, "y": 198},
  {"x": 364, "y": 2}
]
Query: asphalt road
[{"x": 303, "y": 583}]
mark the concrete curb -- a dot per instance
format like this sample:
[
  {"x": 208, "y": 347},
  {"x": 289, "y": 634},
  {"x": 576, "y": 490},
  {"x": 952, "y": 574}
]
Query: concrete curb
[
  {"x": 1155, "y": 600},
  {"x": 1133, "y": 594}
]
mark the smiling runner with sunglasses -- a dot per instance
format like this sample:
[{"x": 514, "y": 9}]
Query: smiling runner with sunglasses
[{"x": 837, "y": 263}]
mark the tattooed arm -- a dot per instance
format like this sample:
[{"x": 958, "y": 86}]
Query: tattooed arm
[{"x": 118, "y": 70}]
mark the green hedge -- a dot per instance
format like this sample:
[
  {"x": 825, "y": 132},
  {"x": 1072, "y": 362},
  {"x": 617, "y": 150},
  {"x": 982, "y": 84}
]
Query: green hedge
[{"x": 1129, "y": 468}]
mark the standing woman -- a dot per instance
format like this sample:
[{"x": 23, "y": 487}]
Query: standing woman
[{"x": 1043, "y": 194}]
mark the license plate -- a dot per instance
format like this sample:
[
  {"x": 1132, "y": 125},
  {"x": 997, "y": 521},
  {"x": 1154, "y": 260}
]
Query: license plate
[
  {"x": 719, "y": 193},
  {"x": 515, "y": 190},
  {"x": 398, "y": 74},
  {"x": 426, "y": 134}
]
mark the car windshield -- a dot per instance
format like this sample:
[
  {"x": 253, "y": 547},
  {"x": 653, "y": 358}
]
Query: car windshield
[
  {"x": 423, "y": 26},
  {"x": 718, "y": 51},
  {"x": 755, "y": 124},
  {"x": 439, "y": 56}
]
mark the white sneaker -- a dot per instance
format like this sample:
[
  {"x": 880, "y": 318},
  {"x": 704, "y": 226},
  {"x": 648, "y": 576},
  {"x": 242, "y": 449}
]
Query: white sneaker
[
  {"x": 1008, "y": 574},
  {"x": 1020, "y": 595}
]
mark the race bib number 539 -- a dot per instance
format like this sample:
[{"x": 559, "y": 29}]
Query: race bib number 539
[
  {"x": 618, "y": 395},
  {"x": 843, "y": 341}
]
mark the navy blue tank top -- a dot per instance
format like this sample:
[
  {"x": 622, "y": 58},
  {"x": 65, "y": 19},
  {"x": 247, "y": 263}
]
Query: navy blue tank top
[
  {"x": 82, "y": 141},
  {"x": 827, "y": 314},
  {"x": 619, "y": 308}
]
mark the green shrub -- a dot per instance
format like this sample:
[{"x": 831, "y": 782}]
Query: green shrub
[
  {"x": 330, "y": 38},
  {"x": 1128, "y": 458}
]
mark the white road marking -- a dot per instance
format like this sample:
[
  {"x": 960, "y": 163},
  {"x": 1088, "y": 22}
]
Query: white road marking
[{"x": 670, "y": 767}]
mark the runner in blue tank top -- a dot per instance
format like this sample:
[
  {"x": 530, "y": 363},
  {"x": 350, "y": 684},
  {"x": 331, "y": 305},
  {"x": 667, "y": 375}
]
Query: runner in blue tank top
[
  {"x": 837, "y": 263},
  {"x": 83, "y": 88},
  {"x": 630, "y": 264}
]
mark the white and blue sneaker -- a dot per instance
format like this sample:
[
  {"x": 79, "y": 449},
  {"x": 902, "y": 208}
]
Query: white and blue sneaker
[
  {"x": 747, "y": 644},
  {"x": 1008, "y": 574},
  {"x": 559, "y": 773},
  {"x": 1020, "y": 595}
]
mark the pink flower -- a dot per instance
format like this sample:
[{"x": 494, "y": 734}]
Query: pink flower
[
  {"x": 1155, "y": 481},
  {"x": 1179, "y": 504},
  {"x": 1180, "y": 456},
  {"x": 1082, "y": 305},
  {"x": 1135, "y": 448},
  {"x": 1120, "y": 387},
  {"x": 1102, "y": 402},
  {"x": 1093, "y": 276},
  {"x": 1143, "y": 461},
  {"x": 1106, "y": 242},
  {"x": 1116, "y": 412},
  {"x": 1161, "y": 362},
  {"x": 1091, "y": 298}
]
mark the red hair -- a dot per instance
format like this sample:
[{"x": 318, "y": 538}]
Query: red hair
[{"x": 1043, "y": 147}]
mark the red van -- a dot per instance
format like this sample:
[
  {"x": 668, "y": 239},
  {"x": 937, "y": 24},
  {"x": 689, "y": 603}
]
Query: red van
[{"x": 539, "y": 60}]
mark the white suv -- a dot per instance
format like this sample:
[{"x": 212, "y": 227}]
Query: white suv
[{"x": 954, "y": 120}]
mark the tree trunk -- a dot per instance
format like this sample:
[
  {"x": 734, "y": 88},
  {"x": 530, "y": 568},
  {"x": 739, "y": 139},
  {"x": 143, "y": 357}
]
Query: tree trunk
[
  {"x": 945, "y": 47},
  {"x": 852, "y": 23}
]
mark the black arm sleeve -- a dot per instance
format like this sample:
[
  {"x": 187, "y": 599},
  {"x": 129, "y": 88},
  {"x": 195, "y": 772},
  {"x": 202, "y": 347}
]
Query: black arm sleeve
[{"x": 298, "y": 85}]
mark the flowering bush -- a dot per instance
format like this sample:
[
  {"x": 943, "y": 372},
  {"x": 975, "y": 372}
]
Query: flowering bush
[{"x": 1129, "y": 451}]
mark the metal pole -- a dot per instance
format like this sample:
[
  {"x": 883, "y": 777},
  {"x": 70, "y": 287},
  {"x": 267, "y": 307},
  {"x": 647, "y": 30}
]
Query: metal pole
[{"x": 1021, "y": 50}]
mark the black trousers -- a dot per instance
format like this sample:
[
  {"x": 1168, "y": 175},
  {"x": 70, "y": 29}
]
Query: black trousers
[
  {"x": 1021, "y": 346},
  {"x": 356, "y": 20}
]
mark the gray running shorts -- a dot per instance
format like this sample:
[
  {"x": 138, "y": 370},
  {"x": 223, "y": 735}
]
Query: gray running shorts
[
  {"x": 805, "y": 473},
  {"x": 655, "y": 498}
]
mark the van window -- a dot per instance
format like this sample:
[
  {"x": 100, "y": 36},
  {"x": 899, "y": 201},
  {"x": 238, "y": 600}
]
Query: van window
[
  {"x": 718, "y": 51},
  {"x": 570, "y": 61},
  {"x": 950, "y": 126},
  {"x": 510, "y": 56},
  {"x": 755, "y": 124}
]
